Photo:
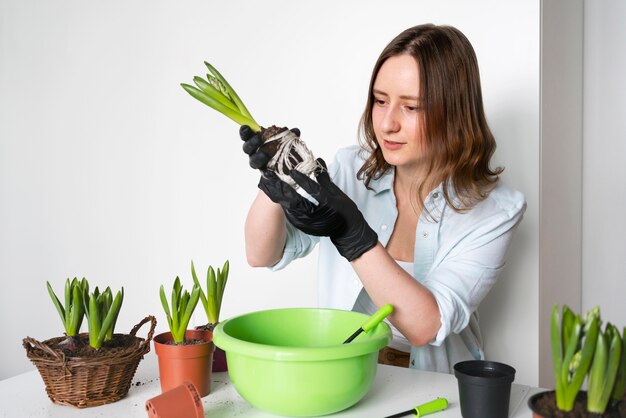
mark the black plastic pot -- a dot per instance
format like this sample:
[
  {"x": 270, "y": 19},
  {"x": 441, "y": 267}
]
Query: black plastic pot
[{"x": 484, "y": 388}]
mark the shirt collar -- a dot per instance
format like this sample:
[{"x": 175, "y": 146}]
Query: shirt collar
[
  {"x": 435, "y": 201},
  {"x": 383, "y": 183}
]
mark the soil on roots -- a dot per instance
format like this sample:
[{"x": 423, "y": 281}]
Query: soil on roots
[{"x": 271, "y": 148}]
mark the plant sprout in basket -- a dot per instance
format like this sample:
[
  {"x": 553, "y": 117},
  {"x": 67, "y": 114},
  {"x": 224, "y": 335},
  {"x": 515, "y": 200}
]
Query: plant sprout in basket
[
  {"x": 72, "y": 313},
  {"x": 286, "y": 150},
  {"x": 101, "y": 310}
]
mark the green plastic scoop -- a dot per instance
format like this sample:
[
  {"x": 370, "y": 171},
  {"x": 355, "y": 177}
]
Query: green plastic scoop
[
  {"x": 374, "y": 320},
  {"x": 435, "y": 405}
]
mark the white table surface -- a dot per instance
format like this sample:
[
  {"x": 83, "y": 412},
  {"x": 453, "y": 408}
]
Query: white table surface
[{"x": 395, "y": 390}]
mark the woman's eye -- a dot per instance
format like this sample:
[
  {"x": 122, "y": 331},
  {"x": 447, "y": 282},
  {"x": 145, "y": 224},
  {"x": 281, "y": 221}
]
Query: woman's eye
[{"x": 412, "y": 108}]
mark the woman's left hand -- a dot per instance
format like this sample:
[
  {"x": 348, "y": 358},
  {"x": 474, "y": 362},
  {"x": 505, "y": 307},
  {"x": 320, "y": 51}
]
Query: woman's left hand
[{"x": 335, "y": 216}]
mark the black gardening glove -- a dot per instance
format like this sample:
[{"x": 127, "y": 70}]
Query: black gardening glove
[
  {"x": 336, "y": 216},
  {"x": 252, "y": 141}
]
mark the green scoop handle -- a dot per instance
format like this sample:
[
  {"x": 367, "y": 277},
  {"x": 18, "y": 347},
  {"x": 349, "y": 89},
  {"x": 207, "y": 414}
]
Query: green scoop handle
[
  {"x": 435, "y": 405},
  {"x": 374, "y": 320}
]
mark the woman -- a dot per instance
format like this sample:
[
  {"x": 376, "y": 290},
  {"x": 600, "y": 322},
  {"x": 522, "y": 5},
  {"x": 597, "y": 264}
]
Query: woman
[{"x": 414, "y": 217}]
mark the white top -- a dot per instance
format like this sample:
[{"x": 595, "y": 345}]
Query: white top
[{"x": 457, "y": 256}]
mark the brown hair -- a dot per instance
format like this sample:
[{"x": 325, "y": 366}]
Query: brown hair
[{"x": 458, "y": 141}]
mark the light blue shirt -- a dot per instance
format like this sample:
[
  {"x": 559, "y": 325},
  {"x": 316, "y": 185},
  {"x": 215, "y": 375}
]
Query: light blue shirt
[{"x": 457, "y": 256}]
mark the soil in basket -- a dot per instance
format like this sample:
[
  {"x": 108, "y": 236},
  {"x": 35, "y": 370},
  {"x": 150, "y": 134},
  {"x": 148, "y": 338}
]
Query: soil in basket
[
  {"x": 119, "y": 342},
  {"x": 546, "y": 406}
]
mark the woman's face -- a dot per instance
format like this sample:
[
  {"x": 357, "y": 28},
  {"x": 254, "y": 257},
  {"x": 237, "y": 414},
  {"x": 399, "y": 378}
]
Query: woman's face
[{"x": 396, "y": 112}]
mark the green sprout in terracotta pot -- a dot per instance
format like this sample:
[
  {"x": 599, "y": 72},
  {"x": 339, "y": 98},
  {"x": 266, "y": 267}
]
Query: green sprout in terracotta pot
[
  {"x": 284, "y": 147},
  {"x": 212, "y": 300},
  {"x": 183, "y": 304},
  {"x": 604, "y": 378},
  {"x": 72, "y": 312},
  {"x": 580, "y": 349},
  {"x": 573, "y": 344},
  {"x": 619, "y": 390},
  {"x": 101, "y": 310}
]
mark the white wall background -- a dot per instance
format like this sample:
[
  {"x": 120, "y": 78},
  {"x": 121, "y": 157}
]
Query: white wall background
[
  {"x": 604, "y": 157},
  {"x": 109, "y": 170}
]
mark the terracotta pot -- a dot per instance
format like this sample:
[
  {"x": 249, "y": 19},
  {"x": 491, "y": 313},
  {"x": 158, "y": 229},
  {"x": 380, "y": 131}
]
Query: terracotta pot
[
  {"x": 181, "y": 402},
  {"x": 219, "y": 360},
  {"x": 178, "y": 363}
]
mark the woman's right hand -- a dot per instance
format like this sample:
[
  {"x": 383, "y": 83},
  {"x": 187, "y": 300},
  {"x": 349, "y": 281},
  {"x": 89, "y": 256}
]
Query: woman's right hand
[
  {"x": 252, "y": 141},
  {"x": 265, "y": 228}
]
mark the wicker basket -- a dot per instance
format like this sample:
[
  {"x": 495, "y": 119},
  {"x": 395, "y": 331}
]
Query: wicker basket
[{"x": 89, "y": 381}]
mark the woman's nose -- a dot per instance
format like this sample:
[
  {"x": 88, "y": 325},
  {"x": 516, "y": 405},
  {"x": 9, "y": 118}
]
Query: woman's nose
[{"x": 390, "y": 122}]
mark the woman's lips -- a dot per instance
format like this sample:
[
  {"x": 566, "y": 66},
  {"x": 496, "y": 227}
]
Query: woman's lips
[{"x": 392, "y": 146}]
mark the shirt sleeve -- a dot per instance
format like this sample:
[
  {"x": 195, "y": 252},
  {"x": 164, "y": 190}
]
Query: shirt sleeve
[
  {"x": 464, "y": 277},
  {"x": 297, "y": 245}
]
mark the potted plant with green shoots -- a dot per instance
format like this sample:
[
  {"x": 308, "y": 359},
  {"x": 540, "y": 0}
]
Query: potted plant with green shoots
[
  {"x": 581, "y": 350},
  {"x": 284, "y": 146},
  {"x": 184, "y": 354},
  {"x": 212, "y": 303},
  {"x": 93, "y": 368}
]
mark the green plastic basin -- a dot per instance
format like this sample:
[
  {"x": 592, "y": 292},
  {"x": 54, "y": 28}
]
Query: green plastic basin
[{"x": 292, "y": 361}]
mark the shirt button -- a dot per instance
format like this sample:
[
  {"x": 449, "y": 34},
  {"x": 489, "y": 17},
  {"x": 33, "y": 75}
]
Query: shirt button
[
  {"x": 435, "y": 195},
  {"x": 425, "y": 234},
  {"x": 383, "y": 227}
]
